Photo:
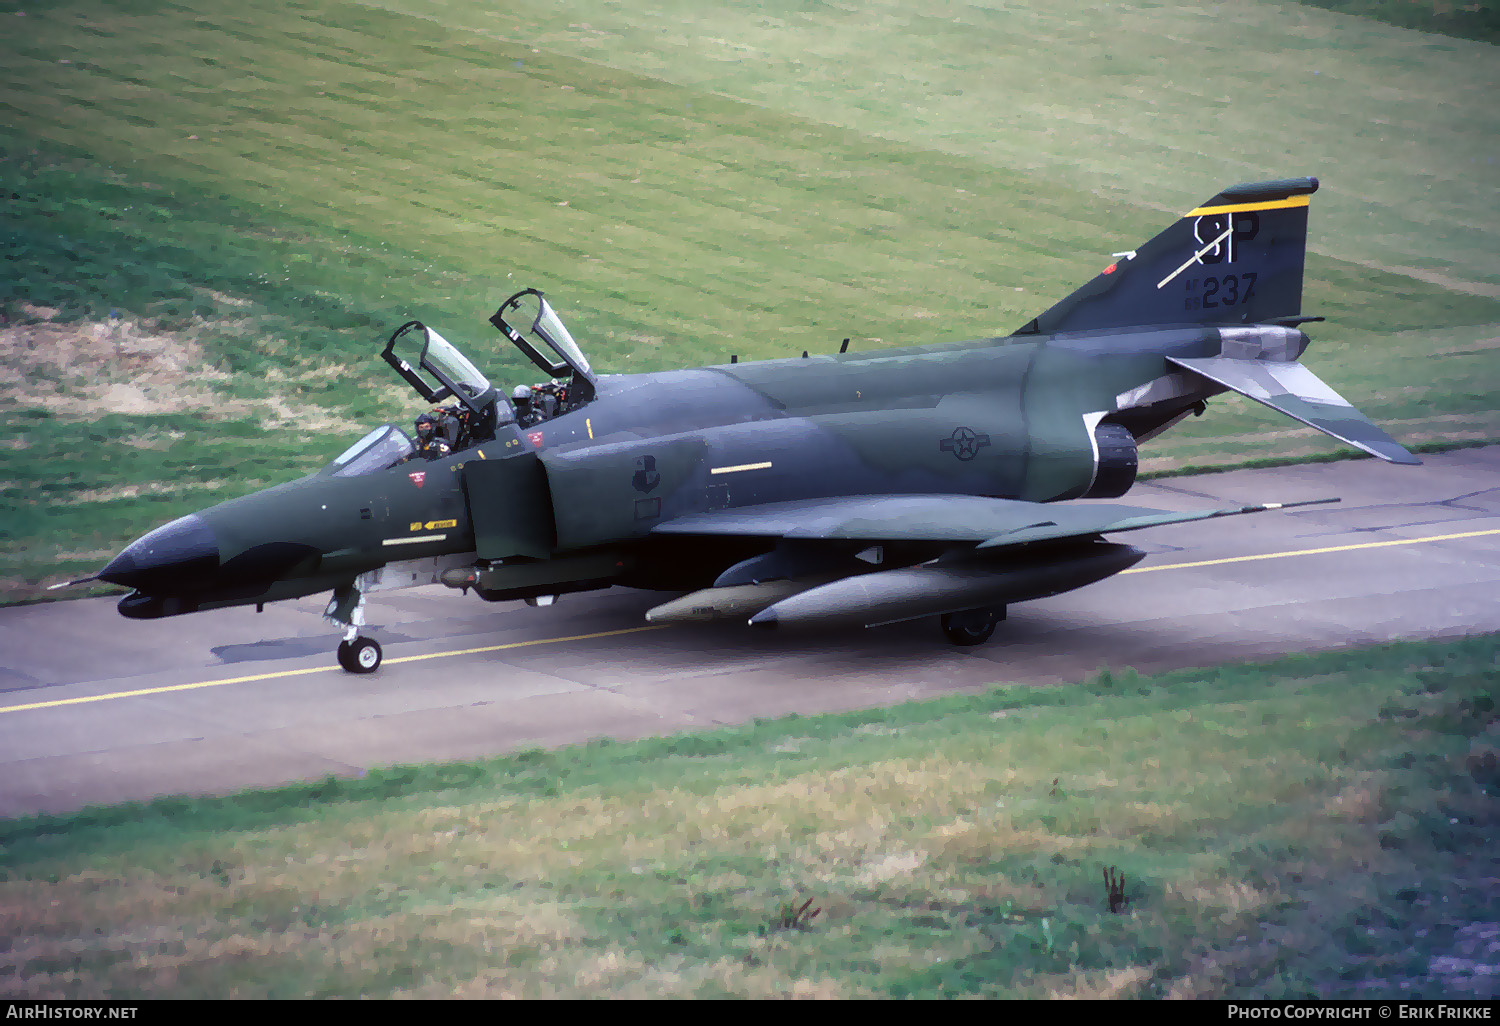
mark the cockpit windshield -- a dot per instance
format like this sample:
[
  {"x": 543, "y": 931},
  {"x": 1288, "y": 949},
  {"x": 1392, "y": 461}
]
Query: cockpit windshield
[{"x": 382, "y": 448}]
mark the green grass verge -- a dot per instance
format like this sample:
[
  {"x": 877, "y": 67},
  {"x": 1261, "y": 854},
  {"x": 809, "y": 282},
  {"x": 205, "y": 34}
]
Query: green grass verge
[
  {"x": 1313, "y": 826},
  {"x": 1473, "y": 20},
  {"x": 213, "y": 215},
  {"x": 1292, "y": 461}
]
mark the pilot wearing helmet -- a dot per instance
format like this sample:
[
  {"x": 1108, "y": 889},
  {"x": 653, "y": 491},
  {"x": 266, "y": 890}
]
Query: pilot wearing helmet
[
  {"x": 432, "y": 438},
  {"x": 526, "y": 413},
  {"x": 537, "y": 403}
]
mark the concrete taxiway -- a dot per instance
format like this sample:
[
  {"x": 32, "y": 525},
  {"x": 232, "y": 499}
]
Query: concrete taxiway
[{"x": 97, "y": 709}]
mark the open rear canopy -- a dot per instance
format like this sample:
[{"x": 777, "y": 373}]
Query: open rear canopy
[{"x": 528, "y": 320}]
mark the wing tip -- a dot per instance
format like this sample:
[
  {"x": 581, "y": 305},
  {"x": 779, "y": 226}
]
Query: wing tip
[{"x": 1402, "y": 457}]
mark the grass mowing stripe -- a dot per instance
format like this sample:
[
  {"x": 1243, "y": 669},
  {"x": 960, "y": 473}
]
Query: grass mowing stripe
[{"x": 1122, "y": 113}]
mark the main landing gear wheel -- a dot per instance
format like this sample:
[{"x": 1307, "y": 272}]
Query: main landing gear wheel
[
  {"x": 972, "y": 626},
  {"x": 362, "y": 655}
]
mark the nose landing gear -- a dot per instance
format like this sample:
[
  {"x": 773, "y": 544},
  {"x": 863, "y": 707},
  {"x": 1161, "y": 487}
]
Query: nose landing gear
[{"x": 347, "y": 610}]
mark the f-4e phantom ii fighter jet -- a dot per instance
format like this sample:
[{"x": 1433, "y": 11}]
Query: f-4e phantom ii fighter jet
[{"x": 861, "y": 488}]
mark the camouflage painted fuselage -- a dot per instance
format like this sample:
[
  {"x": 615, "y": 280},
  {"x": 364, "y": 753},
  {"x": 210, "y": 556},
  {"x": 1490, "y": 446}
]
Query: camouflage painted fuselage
[
  {"x": 800, "y": 470},
  {"x": 1006, "y": 418}
]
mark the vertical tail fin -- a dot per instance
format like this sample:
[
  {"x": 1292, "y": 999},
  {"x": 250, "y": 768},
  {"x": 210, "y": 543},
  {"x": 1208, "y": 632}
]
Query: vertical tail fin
[{"x": 1235, "y": 260}]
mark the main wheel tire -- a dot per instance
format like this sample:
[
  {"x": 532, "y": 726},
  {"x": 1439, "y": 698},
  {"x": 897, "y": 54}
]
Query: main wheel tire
[
  {"x": 971, "y": 626},
  {"x": 362, "y": 655}
]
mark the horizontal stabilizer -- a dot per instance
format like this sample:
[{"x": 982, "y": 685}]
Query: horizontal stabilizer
[{"x": 1292, "y": 389}]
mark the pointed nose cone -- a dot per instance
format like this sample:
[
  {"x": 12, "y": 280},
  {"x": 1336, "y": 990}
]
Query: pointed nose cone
[{"x": 176, "y": 557}]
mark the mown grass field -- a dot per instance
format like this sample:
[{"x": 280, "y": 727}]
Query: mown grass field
[
  {"x": 215, "y": 213},
  {"x": 1317, "y": 826}
]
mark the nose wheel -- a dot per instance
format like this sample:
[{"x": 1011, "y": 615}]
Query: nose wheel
[
  {"x": 347, "y": 609},
  {"x": 362, "y": 655}
]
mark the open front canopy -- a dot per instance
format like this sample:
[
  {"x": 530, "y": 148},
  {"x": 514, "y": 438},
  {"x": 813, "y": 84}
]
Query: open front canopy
[{"x": 435, "y": 367}]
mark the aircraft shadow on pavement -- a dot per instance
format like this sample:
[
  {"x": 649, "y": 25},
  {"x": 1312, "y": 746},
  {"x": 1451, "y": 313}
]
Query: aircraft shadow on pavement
[{"x": 286, "y": 648}]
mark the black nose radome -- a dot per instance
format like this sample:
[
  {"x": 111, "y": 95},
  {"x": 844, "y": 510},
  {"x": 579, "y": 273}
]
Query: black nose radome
[{"x": 173, "y": 558}]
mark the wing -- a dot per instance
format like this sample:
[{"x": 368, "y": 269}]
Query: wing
[
  {"x": 984, "y": 523},
  {"x": 987, "y": 549}
]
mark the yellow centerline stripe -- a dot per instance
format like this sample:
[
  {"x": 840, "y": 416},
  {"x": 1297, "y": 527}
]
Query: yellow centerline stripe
[
  {"x": 522, "y": 644},
  {"x": 1235, "y": 208},
  {"x": 657, "y": 627},
  {"x": 316, "y": 669},
  {"x": 1313, "y": 552}
]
